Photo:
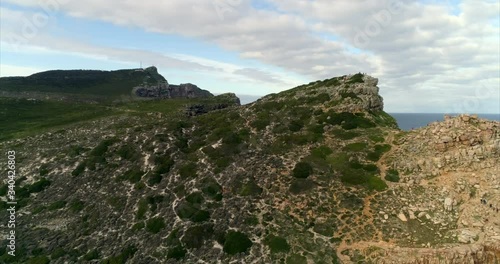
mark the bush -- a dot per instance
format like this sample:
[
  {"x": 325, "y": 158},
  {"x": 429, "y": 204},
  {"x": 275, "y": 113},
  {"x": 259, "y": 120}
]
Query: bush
[
  {"x": 345, "y": 135},
  {"x": 163, "y": 165},
  {"x": 154, "y": 178},
  {"x": 44, "y": 169},
  {"x": 358, "y": 146},
  {"x": 295, "y": 125},
  {"x": 133, "y": 176},
  {"x": 93, "y": 254},
  {"x": 301, "y": 185},
  {"x": 276, "y": 244},
  {"x": 212, "y": 189},
  {"x": 154, "y": 225},
  {"x": 250, "y": 188},
  {"x": 236, "y": 242},
  {"x": 188, "y": 170},
  {"x": 392, "y": 175},
  {"x": 356, "y": 78},
  {"x": 195, "y": 236},
  {"x": 101, "y": 149},
  {"x": 302, "y": 170},
  {"x": 57, "y": 205},
  {"x": 321, "y": 152},
  {"x": 195, "y": 198},
  {"x": 39, "y": 260},
  {"x": 142, "y": 208},
  {"x": 200, "y": 216},
  {"x": 177, "y": 253},
  {"x": 378, "y": 152},
  {"x": 377, "y": 184},
  {"x": 76, "y": 205},
  {"x": 79, "y": 169},
  {"x": 39, "y": 186},
  {"x": 127, "y": 152}
]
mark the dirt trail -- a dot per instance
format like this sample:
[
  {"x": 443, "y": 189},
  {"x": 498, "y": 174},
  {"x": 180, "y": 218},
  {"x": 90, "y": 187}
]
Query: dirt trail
[{"x": 367, "y": 216}]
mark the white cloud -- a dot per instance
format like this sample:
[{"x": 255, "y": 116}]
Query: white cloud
[{"x": 418, "y": 50}]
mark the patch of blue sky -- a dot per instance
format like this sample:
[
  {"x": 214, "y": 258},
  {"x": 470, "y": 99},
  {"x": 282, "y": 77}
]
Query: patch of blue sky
[{"x": 58, "y": 60}]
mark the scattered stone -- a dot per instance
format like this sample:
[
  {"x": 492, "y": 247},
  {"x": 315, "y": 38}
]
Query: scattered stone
[{"x": 402, "y": 217}]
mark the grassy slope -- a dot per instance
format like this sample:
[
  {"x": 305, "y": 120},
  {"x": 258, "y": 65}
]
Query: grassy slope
[
  {"x": 22, "y": 117},
  {"x": 101, "y": 83}
]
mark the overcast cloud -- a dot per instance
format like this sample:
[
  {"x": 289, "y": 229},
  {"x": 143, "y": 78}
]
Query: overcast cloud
[{"x": 430, "y": 56}]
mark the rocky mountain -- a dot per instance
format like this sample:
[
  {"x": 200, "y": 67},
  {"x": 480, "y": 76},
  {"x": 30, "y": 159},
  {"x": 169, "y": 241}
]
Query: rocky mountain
[
  {"x": 97, "y": 86},
  {"x": 315, "y": 174}
]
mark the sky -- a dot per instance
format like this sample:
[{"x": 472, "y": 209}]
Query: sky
[{"x": 430, "y": 56}]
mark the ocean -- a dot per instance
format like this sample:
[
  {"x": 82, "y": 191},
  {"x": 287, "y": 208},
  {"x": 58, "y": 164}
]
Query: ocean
[{"x": 408, "y": 121}]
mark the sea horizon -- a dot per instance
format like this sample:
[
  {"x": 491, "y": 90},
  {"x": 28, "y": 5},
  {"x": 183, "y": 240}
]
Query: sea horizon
[{"x": 409, "y": 121}]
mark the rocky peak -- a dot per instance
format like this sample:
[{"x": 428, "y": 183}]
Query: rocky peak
[{"x": 349, "y": 93}]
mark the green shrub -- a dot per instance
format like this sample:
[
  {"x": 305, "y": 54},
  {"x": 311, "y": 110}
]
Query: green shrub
[
  {"x": 355, "y": 177},
  {"x": 232, "y": 139},
  {"x": 195, "y": 236},
  {"x": 44, "y": 169},
  {"x": 188, "y": 170},
  {"x": 378, "y": 152},
  {"x": 177, "y": 253},
  {"x": 154, "y": 178},
  {"x": 200, "y": 216},
  {"x": 250, "y": 188},
  {"x": 356, "y": 147},
  {"x": 101, "y": 149},
  {"x": 302, "y": 170},
  {"x": 93, "y": 254},
  {"x": 79, "y": 169},
  {"x": 126, "y": 254},
  {"x": 57, "y": 253},
  {"x": 195, "y": 198},
  {"x": 127, "y": 152},
  {"x": 377, "y": 184},
  {"x": 164, "y": 164},
  {"x": 370, "y": 167},
  {"x": 142, "y": 208},
  {"x": 76, "y": 205},
  {"x": 347, "y": 120},
  {"x": 349, "y": 95},
  {"x": 261, "y": 122},
  {"x": 356, "y": 78},
  {"x": 276, "y": 244},
  {"x": 138, "y": 226},
  {"x": 321, "y": 152},
  {"x": 154, "y": 225},
  {"x": 392, "y": 175},
  {"x": 376, "y": 138},
  {"x": 212, "y": 189},
  {"x": 236, "y": 242},
  {"x": 57, "y": 205},
  {"x": 345, "y": 135},
  {"x": 39, "y": 186},
  {"x": 185, "y": 210},
  {"x": 4, "y": 189},
  {"x": 133, "y": 176},
  {"x": 296, "y": 259},
  {"x": 296, "y": 125},
  {"x": 39, "y": 260},
  {"x": 301, "y": 185}
]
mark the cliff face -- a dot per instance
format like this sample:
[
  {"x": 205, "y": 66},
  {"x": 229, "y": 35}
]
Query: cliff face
[
  {"x": 315, "y": 174},
  {"x": 164, "y": 90}
]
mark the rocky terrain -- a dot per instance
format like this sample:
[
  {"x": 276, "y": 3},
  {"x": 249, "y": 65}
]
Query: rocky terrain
[{"x": 315, "y": 174}]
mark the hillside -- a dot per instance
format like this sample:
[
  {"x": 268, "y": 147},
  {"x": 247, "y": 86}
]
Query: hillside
[
  {"x": 93, "y": 85},
  {"x": 316, "y": 174}
]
